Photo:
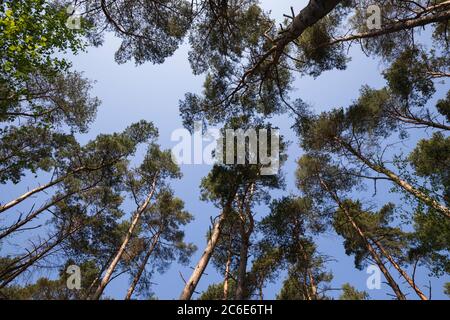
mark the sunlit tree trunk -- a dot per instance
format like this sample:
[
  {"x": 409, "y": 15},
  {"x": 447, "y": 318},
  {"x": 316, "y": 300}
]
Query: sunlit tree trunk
[
  {"x": 193, "y": 281},
  {"x": 28, "y": 194}
]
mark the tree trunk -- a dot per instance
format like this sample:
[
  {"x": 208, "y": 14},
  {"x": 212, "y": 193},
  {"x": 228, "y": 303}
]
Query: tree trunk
[
  {"x": 142, "y": 266},
  {"x": 193, "y": 281},
  {"x": 120, "y": 252},
  {"x": 308, "y": 16},
  {"x": 227, "y": 276},
  {"x": 12, "y": 272},
  {"x": 312, "y": 284},
  {"x": 369, "y": 247},
  {"x": 28, "y": 194},
  {"x": 400, "y": 270},
  {"x": 36, "y": 213},
  {"x": 97, "y": 278},
  {"x": 376, "y": 257}
]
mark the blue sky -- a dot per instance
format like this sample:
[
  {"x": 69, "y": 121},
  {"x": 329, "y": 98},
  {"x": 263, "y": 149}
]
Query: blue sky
[{"x": 152, "y": 92}]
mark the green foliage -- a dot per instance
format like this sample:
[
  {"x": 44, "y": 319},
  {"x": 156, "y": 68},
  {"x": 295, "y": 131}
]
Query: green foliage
[
  {"x": 431, "y": 159},
  {"x": 408, "y": 79},
  {"x": 375, "y": 227},
  {"x": 315, "y": 58},
  {"x": 150, "y": 31},
  {"x": 47, "y": 289},
  {"x": 215, "y": 291},
  {"x": 430, "y": 241},
  {"x": 32, "y": 31},
  {"x": 443, "y": 106},
  {"x": 447, "y": 289},
  {"x": 350, "y": 293}
]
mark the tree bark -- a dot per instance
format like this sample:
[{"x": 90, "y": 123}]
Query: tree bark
[
  {"x": 242, "y": 270},
  {"x": 308, "y": 16}
]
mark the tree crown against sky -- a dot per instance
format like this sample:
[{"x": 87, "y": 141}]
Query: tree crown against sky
[{"x": 112, "y": 217}]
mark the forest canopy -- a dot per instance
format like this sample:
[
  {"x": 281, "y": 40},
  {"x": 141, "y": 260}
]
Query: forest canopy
[{"x": 106, "y": 204}]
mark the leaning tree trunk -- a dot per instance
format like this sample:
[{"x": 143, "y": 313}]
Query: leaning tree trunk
[
  {"x": 400, "y": 270},
  {"x": 192, "y": 283},
  {"x": 142, "y": 266},
  {"x": 369, "y": 247},
  {"x": 39, "y": 189},
  {"x": 109, "y": 271},
  {"x": 20, "y": 223},
  {"x": 376, "y": 257}
]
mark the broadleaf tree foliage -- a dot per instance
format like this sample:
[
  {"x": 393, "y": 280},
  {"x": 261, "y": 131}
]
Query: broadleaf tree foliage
[{"x": 107, "y": 205}]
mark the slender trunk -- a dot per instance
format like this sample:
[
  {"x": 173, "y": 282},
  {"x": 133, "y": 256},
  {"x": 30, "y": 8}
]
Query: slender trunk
[
  {"x": 397, "y": 180},
  {"x": 44, "y": 187},
  {"x": 369, "y": 247},
  {"x": 9, "y": 274},
  {"x": 306, "y": 287},
  {"x": 109, "y": 271},
  {"x": 142, "y": 266},
  {"x": 400, "y": 270},
  {"x": 28, "y": 194},
  {"x": 36, "y": 213},
  {"x": 227, "y": 276},
  {"x": 193, "y": 281}
]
